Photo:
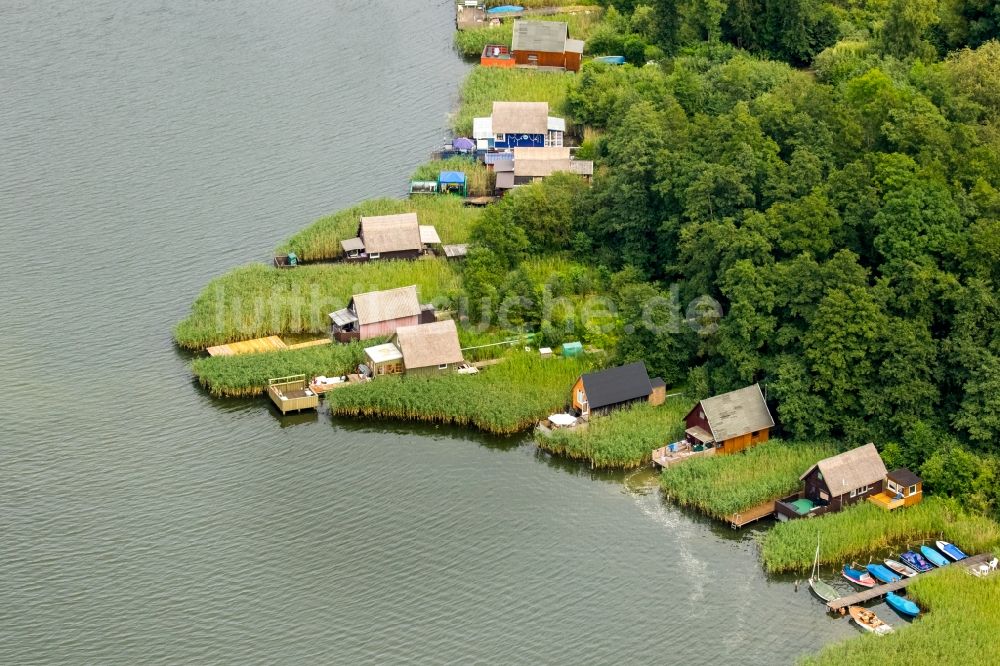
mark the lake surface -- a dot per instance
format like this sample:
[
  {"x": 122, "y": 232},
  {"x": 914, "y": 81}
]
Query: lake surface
[{"x": 148, "y": 146}]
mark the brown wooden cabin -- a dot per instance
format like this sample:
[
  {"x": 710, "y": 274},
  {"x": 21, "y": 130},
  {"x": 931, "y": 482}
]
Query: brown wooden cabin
[
  {"x": 420, "y": 349},
  {"x": 730, "y": 422},
  {"x": 546, "y": 44},
  {"x": 389, "y": 237},
  {"x": 836, "y": 482},
  {"x": 616, "y": 388},
  {"x": 378, "y": 314},
  {"x": 902, "y": 488}
]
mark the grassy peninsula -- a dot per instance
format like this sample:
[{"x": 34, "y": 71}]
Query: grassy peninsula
[
  {"x": 622, "y": 439},
  {"x": 723, "y": 485},
  {"x": 502, "y": 399},
  {"x": 865, "y": 531}
]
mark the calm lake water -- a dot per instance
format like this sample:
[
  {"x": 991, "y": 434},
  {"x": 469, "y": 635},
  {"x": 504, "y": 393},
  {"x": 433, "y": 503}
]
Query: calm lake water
[{"x": 148, "y": 146}]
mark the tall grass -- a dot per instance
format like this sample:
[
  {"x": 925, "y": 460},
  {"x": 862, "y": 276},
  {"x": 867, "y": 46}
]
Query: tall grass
[
  {"x": 479, "y": 179},
  {"x": 501, "y": 399},
  {"x": 960, "y": 625},
  {"x": 470, "y": 43},
  {"x": 724, "y": 485},
  {"x": 865, "y": 530},
  {"x": 622, "y": 439},
  {"x": 256, "y": 300},
  {"x": 247, "y": 375},
  {"x": 486, "y": 85},
  {"x": 321, "y": 240}
]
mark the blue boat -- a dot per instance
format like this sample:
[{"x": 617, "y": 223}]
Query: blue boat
[
  {"x": 902, "y": 605},
  {"x": 861, "y": 578},
  {"x": 936, "y": 558},
  {"x": 883, "y": 573},
  {"x": 951, "y": 550},
  {"x": 917, "y": 561}
]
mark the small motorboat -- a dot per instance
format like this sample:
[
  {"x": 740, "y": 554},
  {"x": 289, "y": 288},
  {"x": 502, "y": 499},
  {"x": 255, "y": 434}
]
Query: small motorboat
[
  {"x": 902, "y": 605},
  {"x": 869, "y": 621},
  {"x": 917, "y": 561},
  {"x": 901, "y": 568},
  {"x": 951, "y": 550},
  {"x": 936, "y": 558},
  {"x": 862, "y": 578},
  {"x": 883, "y": 573}
]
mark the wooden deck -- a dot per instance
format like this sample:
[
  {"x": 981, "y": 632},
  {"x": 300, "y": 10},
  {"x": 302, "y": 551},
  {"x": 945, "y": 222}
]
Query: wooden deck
[
  {"x": 352, "y": 380},
  {"x": 310, "y": 343},
  {"x": 467, "y": 18},
  {"x": 664, "y": 457},
  {"x": 737, "y": 520},
  {"x": 886, "y": 501},
  {"x": 841, "y": 604},
  {"x": 255, "y": 346}
]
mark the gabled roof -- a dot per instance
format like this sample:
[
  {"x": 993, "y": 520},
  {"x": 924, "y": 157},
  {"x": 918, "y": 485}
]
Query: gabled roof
[
  {"x": 342, "y": 318},
  {"x": 850, "y": 470},
  {"x": 390, "y": 233},
  {"x": 375, "y": 306},
  {"x": 541, "y": 162},
  {"x": 520, "y": 117},
  {"x": 617, "y": 385},
  {"x": 904, "y": 477},
  {"x": 545, "y": 36},
  {"x": 736, "y": 413},
  {"x": 429, "y": 345}
]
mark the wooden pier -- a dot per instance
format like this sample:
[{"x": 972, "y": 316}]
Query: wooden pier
[
  {"x": 255, "y": 346},
  {"x": 840, "y": 605}
]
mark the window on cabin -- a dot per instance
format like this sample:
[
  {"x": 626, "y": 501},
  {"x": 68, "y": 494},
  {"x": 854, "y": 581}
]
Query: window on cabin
[
  {"x": 374, "y": 255},
  {"x": 913, "y": 490},
  {"x": 854, "y": 493},
  {"x": 500, "y": 137},
  {"x": 443, "y": 366}
]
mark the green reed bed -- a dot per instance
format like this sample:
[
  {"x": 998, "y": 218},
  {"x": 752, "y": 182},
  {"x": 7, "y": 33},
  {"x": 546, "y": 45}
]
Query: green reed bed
[
  {"x": 320, "y": 241},
  {"x": 865, "y": 530},
  {"x": 484, "y": 85},
  {"x": 723, "y": 485},
  {"x": 960, "y": 625},
  {"x": 246, "y": 375},
  {"x": 470, "y": 43},
  {"x": 479, "y": 179},
  {"x": 502, "y": 399},
  {"x": 256, "y": 300},
  {"x": 622, "y": 439}
]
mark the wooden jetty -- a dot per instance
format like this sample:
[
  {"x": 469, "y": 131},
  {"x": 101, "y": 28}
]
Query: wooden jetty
[
  {"x": 255, "y": 346},
  {"x": 664, "y": 457},
  {"x": 840, "y": 605},
  {"x": 311, "y": 343},
  {"x": 738, "y": 520},
  {"x": 292, "y": 394}
]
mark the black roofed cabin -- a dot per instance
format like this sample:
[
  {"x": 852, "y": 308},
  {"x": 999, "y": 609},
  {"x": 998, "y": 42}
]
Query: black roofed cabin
[
  {"x": 615, "y": 388},
  {"x": 730, "y": 422}
]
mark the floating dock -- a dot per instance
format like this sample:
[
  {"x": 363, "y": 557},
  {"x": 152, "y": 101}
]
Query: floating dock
[
  {"x": 840, "y": 605},
  {"x": 255, "y": 346},
  {"x": 292, "y": 394}
]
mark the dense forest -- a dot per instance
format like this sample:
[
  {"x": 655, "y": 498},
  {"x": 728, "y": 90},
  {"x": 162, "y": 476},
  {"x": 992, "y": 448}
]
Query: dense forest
[{"x": 826, "y": 171}]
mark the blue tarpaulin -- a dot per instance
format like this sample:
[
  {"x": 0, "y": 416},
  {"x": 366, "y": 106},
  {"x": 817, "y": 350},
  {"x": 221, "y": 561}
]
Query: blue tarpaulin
[
  {"x": 452, "y": 178},
  {"x": 505, "y": 9},
  {"x": 613, "y": 60}
]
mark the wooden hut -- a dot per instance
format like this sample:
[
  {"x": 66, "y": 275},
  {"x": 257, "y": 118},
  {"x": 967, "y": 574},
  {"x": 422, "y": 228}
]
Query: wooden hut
[
  {"x": 730, "y": 422},
  {"x": 379, "y": 313},
  {"x": 902, "y": 488},
  {"x": 534, "y": 164},
  {"x": 386, "y": 237},
  {"x": 546, "y": 44},
  {"x": 615, "y": 388},
  {"x": 424, "y": 348},
  {"x": 836, "y": 482}
]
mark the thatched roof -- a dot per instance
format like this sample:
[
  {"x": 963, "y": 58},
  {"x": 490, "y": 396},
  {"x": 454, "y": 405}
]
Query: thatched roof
[
  {"x": 520, "y": 117},
  {"x": 545, "y": 36},
  {"x": 851, "y": 470},
  {"x": 736, "y": 413},
  {"x": 541, "y": 162},
  {"x": 376, "y": 306},
  {"x": 390, "y": 233},
  {"x": 429, "y": 345}
]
